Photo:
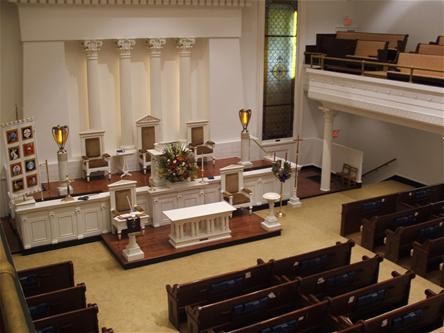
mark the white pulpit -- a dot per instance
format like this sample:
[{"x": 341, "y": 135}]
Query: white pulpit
[{"x": 199, "y": 224}]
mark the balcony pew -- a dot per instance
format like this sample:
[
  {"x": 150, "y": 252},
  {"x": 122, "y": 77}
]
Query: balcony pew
[
  {"x": 47, "y": 278},
  {"x": 374, "y": 299},
  {"x": 244, "y": 310},
  {"x": 81, "y": 320},
  {"x": 424, "y": 69},
  {"x": 427, "y": 256},
  {"x": 374, "y": 228},
  {"x": 343, "y": 279},
  {"x": 216, "y": 288},
  {"x": 353, "y": 212},
  {"x": 431, "y": 49},
  {"x": 395, "y": 41},
  {"x": 312, "y": 262},
  {"x": 56, "y": 302},
  {"x": 399, "y": 242},
  {"x": 422, "y": 316}
]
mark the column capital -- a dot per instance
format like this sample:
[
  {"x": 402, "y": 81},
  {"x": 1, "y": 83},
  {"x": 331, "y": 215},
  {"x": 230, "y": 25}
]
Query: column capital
[
  {"x": 185, "y": 44},
  {"x": 125, "y": 46},
  {"x": 156, "y": 43},
  {"x": 92, "y": 48},
  {"x": 329, "y": 114}
]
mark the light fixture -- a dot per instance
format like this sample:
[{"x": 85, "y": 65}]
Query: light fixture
[
  {"x": 244, "y": 116},
  {"x": 60, "y": 135}
]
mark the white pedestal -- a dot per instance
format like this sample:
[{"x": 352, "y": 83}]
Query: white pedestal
[
  {"x": 155, "y": 177},
  {"x": 245, "y": 150},
  {"x": 271, "y": 222},
  {"x": 133, "y": 251},
  {"x": 294, "y": 202}
]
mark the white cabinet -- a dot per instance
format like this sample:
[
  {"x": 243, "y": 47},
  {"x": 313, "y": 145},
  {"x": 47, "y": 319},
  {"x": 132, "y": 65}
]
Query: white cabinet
[
  {"x": 63, "y": 224},
  {"x": 161, "y": 203},
  {"x": 35, "y": 230},
  {"x": 212, "y": 194},
  {"x": 90, "y": 220},
  {"x": 190, "y": 198}
]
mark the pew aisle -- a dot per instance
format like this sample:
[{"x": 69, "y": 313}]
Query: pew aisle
[{"x": 136, "y": 301}]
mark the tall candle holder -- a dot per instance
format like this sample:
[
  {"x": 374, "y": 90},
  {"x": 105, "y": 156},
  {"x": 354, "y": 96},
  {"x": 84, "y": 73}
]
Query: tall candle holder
[{"x": 281, "y": 170}]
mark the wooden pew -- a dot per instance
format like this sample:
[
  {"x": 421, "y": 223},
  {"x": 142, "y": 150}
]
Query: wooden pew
[
  {"x": 47, "y": 278},
  {"x": 399, "y": 242},
  {"x": 427, "y": 69},
  {"x": 216, "y": 288},
  {"x": 374, "y": 299},
  {"x": 343, "y": 279},
  {"x": 353, "y": 212},
  {"x": 55, "y": 302},
  {"x": 82, "y": 320},
  {"x": 441, "y": 270},
  {"x": 374, "y": 228},
  {"x": 423, "y": 195},
  {"x": 313, "y": 262},
  {"x": 312, "y": 318},
  {"x": 427, "y": 256},
  {"x": 439, "y": 40},
  {"x": 369, "y": 50},
  {"x": 431, "y": 49},
  {"x": 395, "y": 41},
  {"x": 438, "y": 208},
  {"x": 422, "y": 316},
  {"x": 244, "y": 310}
]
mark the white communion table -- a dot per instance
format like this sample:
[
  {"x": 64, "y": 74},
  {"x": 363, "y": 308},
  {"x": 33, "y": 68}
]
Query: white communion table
[{"x": 199, "y": 224}]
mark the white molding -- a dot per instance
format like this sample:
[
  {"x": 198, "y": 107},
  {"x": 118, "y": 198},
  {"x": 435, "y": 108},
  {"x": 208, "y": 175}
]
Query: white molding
[
  {"x": 407, "y": 104},
  {"x": 133, "y": 3}
]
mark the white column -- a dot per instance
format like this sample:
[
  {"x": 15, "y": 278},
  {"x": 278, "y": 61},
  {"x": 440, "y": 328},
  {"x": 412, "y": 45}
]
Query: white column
[
  {"x": 92, "y": 48},
  {"x": 156, "y": 45},
  {"x": 185, "y": 113},
  {"x": 326, "y": 150},
  {"x": 126, "y": 104}
]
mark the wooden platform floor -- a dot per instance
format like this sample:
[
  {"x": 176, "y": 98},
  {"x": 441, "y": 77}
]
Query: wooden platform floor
[{"x": 154, "y": 243}]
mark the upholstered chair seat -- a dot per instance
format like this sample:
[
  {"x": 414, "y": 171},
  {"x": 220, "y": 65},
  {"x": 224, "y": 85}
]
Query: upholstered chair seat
[
  {"x": 198, "y": 141},
  {"x": 232, "y": 187},
  {"x": 93, "y": 159},
  {"x": 148, "y": 128}
]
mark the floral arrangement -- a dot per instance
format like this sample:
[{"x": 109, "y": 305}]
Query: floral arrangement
[
  {"x": 177, "y": 163},
  {"x": 281, "y": 170}
]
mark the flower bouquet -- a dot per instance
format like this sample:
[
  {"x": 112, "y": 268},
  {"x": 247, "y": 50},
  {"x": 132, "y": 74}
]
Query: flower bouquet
[
  {"x": 177, "y": 163},
  {"x": 281, "y": 170}
]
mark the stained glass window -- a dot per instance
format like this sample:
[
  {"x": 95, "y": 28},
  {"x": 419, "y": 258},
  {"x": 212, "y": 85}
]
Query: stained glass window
[{"x": 279, "y": 68}]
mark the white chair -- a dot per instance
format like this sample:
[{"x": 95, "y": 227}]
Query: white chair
[
  {"x": 198, "y": 139},
  {"x": 232, "y": 187},
  {"x": 93, "y": 157},
  {"x": 148, "y": 128},
  {"x": 123, "y": 197}
]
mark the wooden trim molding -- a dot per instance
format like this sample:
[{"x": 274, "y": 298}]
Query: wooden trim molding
[{"x": 154, "y": 3}]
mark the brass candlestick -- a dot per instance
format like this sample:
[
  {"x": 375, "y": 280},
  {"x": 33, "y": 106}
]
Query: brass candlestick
[{"x": 280, "y": 213}]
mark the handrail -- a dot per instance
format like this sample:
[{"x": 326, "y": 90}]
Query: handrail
[
  {"x": 322, "y": 57},
  {"x": 379, "y": 167},
  {"x": 13, "y": 308}
]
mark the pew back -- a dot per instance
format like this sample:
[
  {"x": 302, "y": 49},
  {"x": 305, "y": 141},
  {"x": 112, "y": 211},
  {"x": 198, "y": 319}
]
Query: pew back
[
  {"x": 82, "y": 320},
  {"x": 216, "y": 288},
  {"x": 373, "y": 229},
  {"x": 426, "y": 194},
  {"x": 246, "y": 309},
  {"x": 313, "y": 262},
  {"x": 397, "y": 41},
  {"x": 431, "y": 49},
  {"x": 426, "y": 256},
  {"x": 374, "y": 299},
  {"x": 55, "y": 302},
  {"x": 342, "y": 279},
  {"x": 369, "y": 48},
  {"x": 428, "y": 65},
  {"x": 47, "y": 278},
  {"x": 353, "y": 212},
  {"x": 423, "y": 316},
  {"x": 400, "y": 241}
]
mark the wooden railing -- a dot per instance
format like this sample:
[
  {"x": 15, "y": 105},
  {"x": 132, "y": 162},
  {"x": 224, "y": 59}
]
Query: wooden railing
[
  {"x": 379, "y": 167},
  {"x": 14, "y": 312}
]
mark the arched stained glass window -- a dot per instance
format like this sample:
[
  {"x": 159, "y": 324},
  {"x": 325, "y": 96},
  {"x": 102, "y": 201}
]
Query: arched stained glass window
[{"x": 279, "y": 68}]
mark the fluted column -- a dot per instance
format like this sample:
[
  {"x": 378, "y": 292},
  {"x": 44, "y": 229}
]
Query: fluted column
[
  {"x": 92, "y": 48},
  {"x": 126, "y": 104},
  {"x": 184, "y": 46},
  {"x": 156, "y": 45},
  {"x": 326, "y": 150}
]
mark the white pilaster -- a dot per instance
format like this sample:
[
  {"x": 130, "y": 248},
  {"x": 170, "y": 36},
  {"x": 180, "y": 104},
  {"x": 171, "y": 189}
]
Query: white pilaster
[
  {"x": 92, "y": 48},
  {"x": 156, "y": 45},
  {"x": 126, "y": 105},
  {"x": 326, "y": 150},
  {"x": 184, "y": 46}
]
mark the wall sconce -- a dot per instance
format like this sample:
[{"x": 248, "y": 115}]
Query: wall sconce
[
  {"x": 244, "y": 117},
  {"x": 60, "y": 135}
]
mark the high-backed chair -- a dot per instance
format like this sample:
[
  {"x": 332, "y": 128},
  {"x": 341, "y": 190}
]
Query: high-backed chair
[
  {"x": 147, "y": 135},
  {"x": 93, "y": 157},
  {"x": 232, "y": 187},
  {"x": 198, "y": 139},
  {"x": 123, "y": 204}
]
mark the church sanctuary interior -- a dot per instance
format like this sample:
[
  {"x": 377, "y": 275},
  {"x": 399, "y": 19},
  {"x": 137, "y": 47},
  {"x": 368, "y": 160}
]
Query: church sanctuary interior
[{"x": 248, "y": 166}]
